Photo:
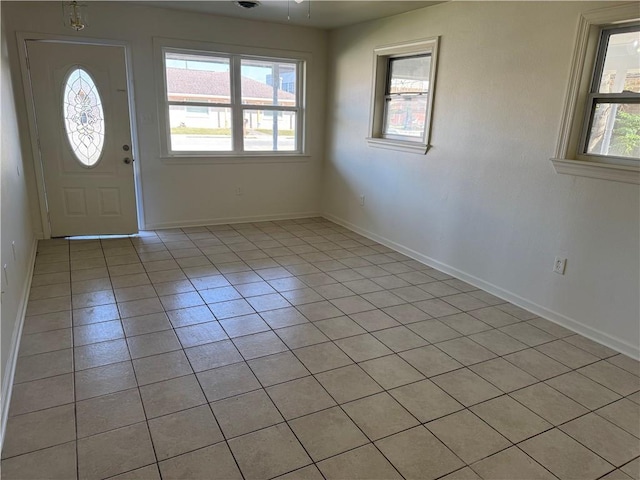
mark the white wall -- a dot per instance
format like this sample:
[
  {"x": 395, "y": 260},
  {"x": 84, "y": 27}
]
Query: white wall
[
  {"x": 192, "y": 193},
  {"x": 15, "y": 226},
  {"x": 485, "y": 202}
]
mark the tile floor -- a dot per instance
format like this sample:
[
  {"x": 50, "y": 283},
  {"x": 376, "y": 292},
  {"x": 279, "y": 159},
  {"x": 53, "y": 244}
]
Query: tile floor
[{"x": 298, "y": 349}]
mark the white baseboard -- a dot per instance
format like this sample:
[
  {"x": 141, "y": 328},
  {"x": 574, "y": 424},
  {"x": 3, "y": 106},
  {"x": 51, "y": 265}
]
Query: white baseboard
[
  {"x": 10, "y": 367},
  {"x": 230, "y": 220},
  {"x": 617, "y": 344}
]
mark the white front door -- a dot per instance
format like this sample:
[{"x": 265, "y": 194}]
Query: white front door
[{"x": 82, "y": 116}]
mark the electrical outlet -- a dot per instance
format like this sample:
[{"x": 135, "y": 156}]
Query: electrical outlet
[
  {"x": 361, "y": 200},
  {"x": 559, "y": 265},
  {"x": 239, "y": 191}
]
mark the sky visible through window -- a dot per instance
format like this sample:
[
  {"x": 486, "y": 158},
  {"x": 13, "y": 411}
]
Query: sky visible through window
[{"x": 256, "y": 73}]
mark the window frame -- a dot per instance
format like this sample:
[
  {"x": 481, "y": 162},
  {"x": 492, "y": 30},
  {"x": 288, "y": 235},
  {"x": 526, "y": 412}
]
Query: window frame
[
  {"x": 569, "y": 158},
  {"x": 382, "y": 57},
  {"x": 235, "y": 54}
]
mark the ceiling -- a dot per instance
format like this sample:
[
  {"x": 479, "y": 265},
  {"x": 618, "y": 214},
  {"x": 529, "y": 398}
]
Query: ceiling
[{"x": 326, "y": 14}]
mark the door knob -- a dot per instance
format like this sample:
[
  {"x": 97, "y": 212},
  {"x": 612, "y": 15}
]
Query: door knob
[
  {"x": 125, "y": 148},
  {"x": 127, "y": 160}
]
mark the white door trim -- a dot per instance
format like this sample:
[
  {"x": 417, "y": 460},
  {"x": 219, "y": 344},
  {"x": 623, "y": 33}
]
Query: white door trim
[{"x": 22, "y": 38}]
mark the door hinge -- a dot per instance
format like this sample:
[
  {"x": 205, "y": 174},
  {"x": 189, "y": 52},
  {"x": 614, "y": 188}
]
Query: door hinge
[{"x": 28, "y": 64}]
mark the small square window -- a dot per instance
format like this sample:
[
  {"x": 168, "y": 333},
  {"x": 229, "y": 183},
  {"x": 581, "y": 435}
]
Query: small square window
[{"x": 403, "y": 96}]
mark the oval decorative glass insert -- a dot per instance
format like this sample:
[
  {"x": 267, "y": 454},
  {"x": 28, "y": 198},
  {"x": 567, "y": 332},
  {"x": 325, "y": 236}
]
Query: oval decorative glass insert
[{"x": 83, "y": 117}]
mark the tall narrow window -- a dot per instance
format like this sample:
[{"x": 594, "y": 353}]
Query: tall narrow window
[
  {"x": 612, "y": 126},
  {"x": 404, "y": 80},
  {"x": 83, "y": 117}
]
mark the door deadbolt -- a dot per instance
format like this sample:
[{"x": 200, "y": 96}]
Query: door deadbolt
[
  {"x": 127, "y": 160},
  {"x": 126, "y": 148}
]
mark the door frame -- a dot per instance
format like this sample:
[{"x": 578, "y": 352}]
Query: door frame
[{"x": 22, "y": 38}]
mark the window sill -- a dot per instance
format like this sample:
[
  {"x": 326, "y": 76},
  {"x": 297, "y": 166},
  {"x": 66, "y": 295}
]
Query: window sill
[
  {"x": 230, "y": 159},
  {"x": 408, "y": 147},
  {"x": 603, "y": 171}
]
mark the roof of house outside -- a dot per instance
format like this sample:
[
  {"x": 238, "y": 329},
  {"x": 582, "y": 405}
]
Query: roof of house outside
[{"x": 216, "y": 84}]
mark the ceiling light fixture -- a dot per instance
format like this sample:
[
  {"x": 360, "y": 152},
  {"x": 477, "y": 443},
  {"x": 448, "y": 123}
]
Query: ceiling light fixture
[
  {"x": 298, "y": 2},
  {"x": 247, "y": 4},
  {"x": 74, "y": 15}
]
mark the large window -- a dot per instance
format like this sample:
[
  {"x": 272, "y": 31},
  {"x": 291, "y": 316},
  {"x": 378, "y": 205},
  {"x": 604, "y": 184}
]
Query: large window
[
  {"x": 612, "y": 127},
  {"x": 404, "y": 77},
  {"x": 600, "y": 130},
  {"x": 229, "y": 104}
]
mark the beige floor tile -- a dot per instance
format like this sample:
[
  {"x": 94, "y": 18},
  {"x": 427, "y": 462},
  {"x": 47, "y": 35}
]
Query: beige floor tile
[
  {"x": 108, "y": 412},
  {"x": 348, "y": 383},
  {"x": 590, "y": 346},
  {"x": 92, "y": 299},
  {"x": 300, "y": 397},
  {"x": 45, "y": 342},
  {"x": 626, "y": 363},
  {"x": 214, "y": 462},
  {"x": 200, "y": 334},
  {"x": 464, "y": 474},
  {"x": 632, "y": 469},
  {"x": 244, "y": 325},
  {"x": 97, "y": 332},
  {"x": 153, "y": 344},
  {"x": 466, "y": 387},
  {"x": 299, "y": 336},
  {"x": 391, "y": 371},
  {"x": 138, "y": 292},
  {"x": 50, "y": 364},
  {"x": 213, "y": 355},
  {"x": 227, "y": 381},
  {"x": 565, "y": 457},
  {"x": 319, "y": 311},
  {"x": 301, "y": 295},
  {"x": 430, "y": 360},
  {"x": 510, "y": 418},
  {"x": 537, "y": 364},
  {"x": 434, "y": 331},
  {"x": 510, "y": 464},
  {"x": 103, "y": 380},
  {"x": 100, "y": 354},
  {"x": 604, "y": 438},
  {"x": 616, "y": 475},
  {"x": 498, "y": 342},
  {"x": 465, "y": 323},
  {"x": 171, "y": 396},
  {"x": 135, "y": 308},
  {"x": 467, "y": 436},
  {"x": 550, "y": 404},
  {"x": 364, "y": 463},
  {"x": 406, "y": 313},
  {"x": 102, "y": 313},
  {"x": 494, "y": 317},
  {"x": 154, "y": 322},
  {"x": 465, "y": 351},
  {"x": 38, "y": 430},
  {"x": 550, "y": 327},
  {"x": 231, "y": 308},
  {"x": 246, "y": 413},
  {"x": 567, "y": 354},
  {"x": 184, "y": 431},
  {"x": 269, "y": 452},
  {"x": 177, "y": 301},
  {"x": 310, "y": 472},
  {"x": 363, "y": 347},
  {"x": 277, "y": 368},
  {"x": 150, "y": 472},
  {"x": 379, "y": 415},
  {"x": 612, "y": 377},
  {"x": 503, "y": 374},
  {"x": 50, "y": 291},
  {"x": 374, "y": 320},
  {"x": 283, "y": 317},
  {"x": 400, "y": 339},
  {"x": 46, "y": 322},
  {"x": 115, "y": 452},
  {"x": 190, "y": 316},
  {"x": 583, "y": 390},
  {"x": 339, "y": 327},
  {"x": 406, "y": 451},
  {"x": 437, "y": 308},
  {"x": 519, "y": 313},
  {"x": 321, "y": 357},
  {"x": 40, "y": 394},
  {"x": 384, "y": 299},
  {"x": 55, "y": 463},
  {"x": 528, "y": 334},
  {"x": 327, "y": 433},
  {"x": 161, "y": 367},
  {"x": 623, "y": 413},
  {"x": 259, "y": 345},
  {"x": 48, "y": 305},
  {"x": 425, "y": 400}
]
